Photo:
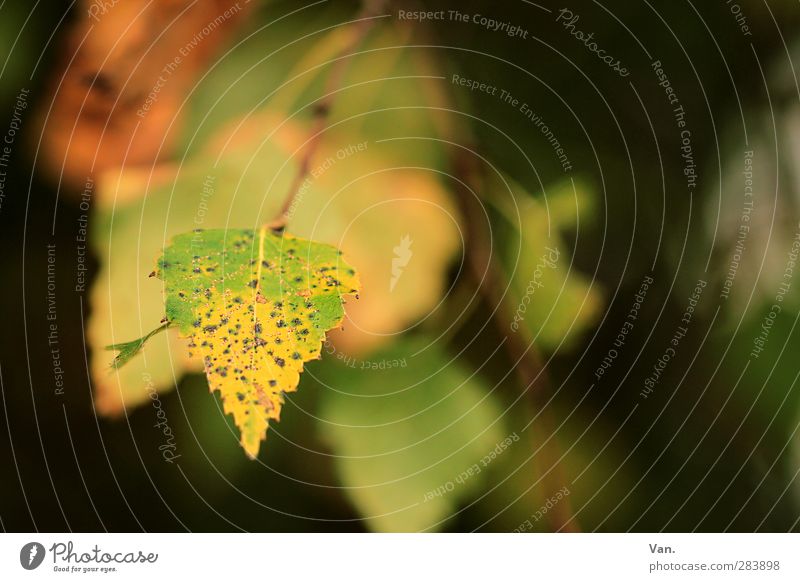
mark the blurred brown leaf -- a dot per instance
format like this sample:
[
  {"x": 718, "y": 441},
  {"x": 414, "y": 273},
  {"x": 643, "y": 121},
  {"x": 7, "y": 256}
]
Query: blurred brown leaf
[{"x": 126, "y": 69}]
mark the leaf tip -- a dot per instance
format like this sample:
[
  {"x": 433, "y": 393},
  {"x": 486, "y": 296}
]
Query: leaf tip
[{"x": 251, "y": 447}]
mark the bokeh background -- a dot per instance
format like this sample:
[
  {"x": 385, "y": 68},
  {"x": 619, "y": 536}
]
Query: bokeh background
[{"x": 577, "y": 313}]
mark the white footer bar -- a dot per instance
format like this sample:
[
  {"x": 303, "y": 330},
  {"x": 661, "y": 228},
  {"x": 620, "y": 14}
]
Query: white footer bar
[{"x": 401, "y": 557}]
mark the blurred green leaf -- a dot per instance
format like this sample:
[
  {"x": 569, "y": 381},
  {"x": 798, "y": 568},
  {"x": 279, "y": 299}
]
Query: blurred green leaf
[
  {"x": 552, "y": 302},
  {"x": 409, "y": 431}
]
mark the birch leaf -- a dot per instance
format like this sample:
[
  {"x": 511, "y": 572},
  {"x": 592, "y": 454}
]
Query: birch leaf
[{"x": 255, "y": 306}]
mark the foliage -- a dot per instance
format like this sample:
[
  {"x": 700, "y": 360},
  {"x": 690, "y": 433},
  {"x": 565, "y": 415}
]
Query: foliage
[
  {"x": 255, "y": 306},
  {"x": 410, "y": 429}
]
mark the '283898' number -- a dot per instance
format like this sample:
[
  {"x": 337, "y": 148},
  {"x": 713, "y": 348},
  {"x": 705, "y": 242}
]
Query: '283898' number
[{"x": 758, "y": 565}]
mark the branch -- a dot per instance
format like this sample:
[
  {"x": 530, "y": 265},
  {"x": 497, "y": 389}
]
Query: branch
[
  {"x": 364, "y": 22},
  {"x": 533, "y": 377}
]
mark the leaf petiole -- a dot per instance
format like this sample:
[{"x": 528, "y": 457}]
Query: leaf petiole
[{"x": 128, "y": 350}]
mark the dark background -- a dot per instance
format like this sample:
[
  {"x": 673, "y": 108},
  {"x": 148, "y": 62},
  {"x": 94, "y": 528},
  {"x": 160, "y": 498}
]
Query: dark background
[{"x": 63, "y": 468}]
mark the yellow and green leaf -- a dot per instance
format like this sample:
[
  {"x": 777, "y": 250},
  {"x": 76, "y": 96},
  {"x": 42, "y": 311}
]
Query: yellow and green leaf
[{"x": 255, "y": 306}]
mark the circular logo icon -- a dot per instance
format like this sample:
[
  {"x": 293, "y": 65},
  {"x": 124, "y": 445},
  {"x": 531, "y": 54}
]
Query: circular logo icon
[{"x": 31, "y": 555}]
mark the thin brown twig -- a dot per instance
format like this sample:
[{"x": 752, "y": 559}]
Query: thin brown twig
[
  {"x": 530, "y": 371},
  {"x": 364, "y": 22}
]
